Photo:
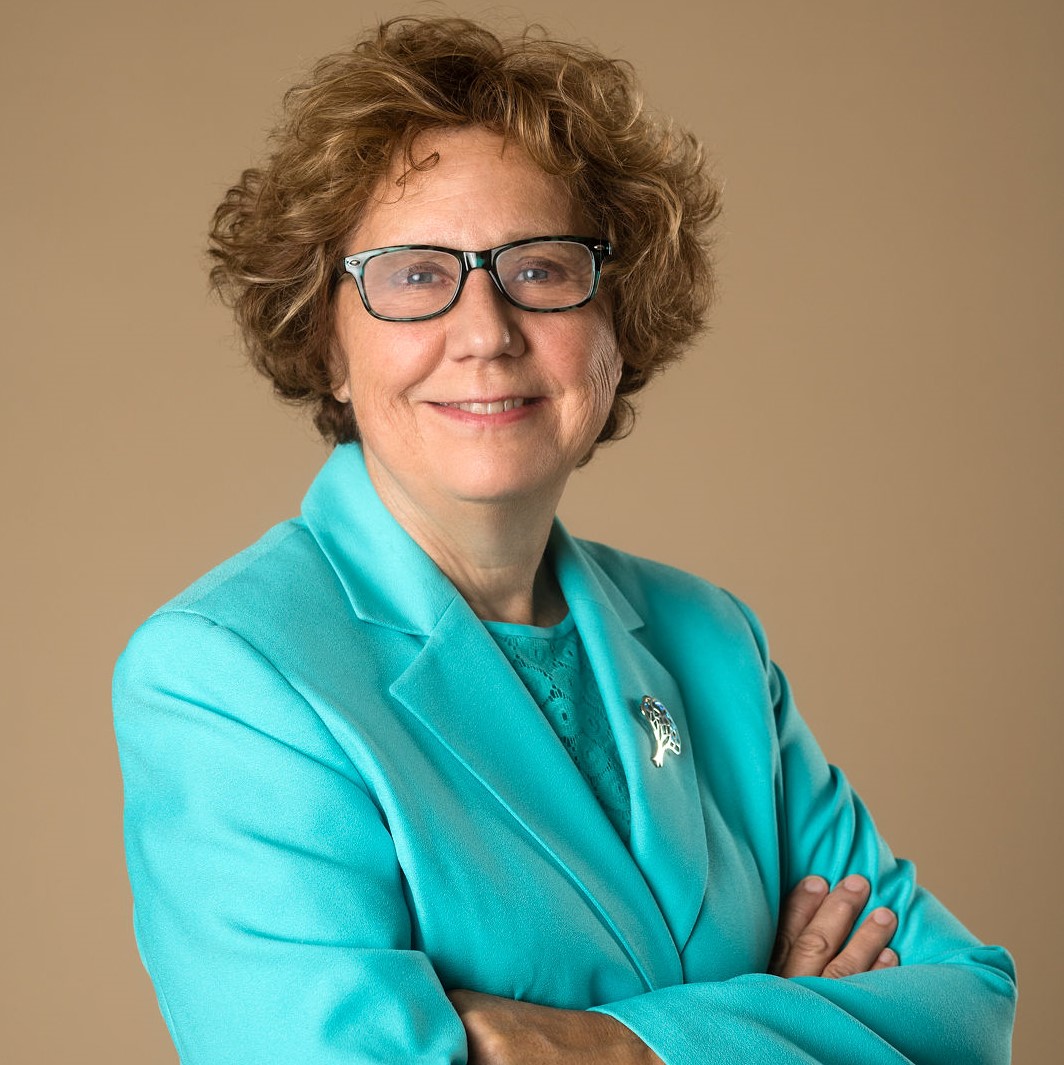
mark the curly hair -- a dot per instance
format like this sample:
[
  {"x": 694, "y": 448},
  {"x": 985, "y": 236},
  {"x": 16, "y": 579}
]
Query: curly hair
[{"x": 278, "y": 233}]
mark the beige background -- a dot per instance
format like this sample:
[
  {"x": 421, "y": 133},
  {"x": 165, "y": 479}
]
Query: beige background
[{"x": 867, "y": 448}]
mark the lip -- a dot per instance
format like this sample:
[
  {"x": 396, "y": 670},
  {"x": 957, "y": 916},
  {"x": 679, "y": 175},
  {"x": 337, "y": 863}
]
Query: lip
[
  {"x": 488, "y": 410},
  {"x": 487, "y": 405}
]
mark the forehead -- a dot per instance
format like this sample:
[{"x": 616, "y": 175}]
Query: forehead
[{"x": 476, "y": 191}]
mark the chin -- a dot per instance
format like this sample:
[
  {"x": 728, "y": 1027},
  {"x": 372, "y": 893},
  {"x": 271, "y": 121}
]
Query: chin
[{"x": 492, "y": 481}]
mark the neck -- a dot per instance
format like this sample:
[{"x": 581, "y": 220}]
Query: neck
[{"x": 493, "y": 552}]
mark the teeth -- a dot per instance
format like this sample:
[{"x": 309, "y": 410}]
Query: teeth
[{"x": 495, "y": 407}]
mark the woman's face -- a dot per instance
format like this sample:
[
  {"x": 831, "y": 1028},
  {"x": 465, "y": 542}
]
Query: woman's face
[{"x": 411, "y": 383}]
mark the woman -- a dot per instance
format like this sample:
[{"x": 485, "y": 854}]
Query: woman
[{"x": 419, "y": 777}]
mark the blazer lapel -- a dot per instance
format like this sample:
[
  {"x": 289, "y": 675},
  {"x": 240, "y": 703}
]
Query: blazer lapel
[
  {"x": 465, "y": 693},
  {"x": 461, "y": 688},
  {"x": 668, "y": 836}
]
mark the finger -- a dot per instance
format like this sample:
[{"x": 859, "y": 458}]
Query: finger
[
  {"x": 887, "y": 959},
  {"x": 866, "y": 945},
  {"x": 822, "y": 938},
  {"x": 798, "y": 910}
]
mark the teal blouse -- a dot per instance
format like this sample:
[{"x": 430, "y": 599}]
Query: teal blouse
[{"x": 553, "y": 667}]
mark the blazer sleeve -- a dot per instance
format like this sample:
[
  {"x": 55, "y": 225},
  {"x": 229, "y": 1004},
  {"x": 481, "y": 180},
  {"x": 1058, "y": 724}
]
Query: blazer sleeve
[
  {"x": 950, "y": 1000},
  {"x": 245, "y": 825}
]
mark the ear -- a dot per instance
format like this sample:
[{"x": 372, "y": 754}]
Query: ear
[{"x": 339, "y": 384}]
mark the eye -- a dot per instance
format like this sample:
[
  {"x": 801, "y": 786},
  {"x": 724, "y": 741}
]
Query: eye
[
  {"x": 539, "y": 272},
  {"x": 421, "y": 275},
  {"x": 411, "y": 269},
  {"x": 547, "y": 274},
  {"x": 530, "y": 274}
]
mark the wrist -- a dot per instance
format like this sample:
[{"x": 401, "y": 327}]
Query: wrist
[{"x": 624, "y": 1046}]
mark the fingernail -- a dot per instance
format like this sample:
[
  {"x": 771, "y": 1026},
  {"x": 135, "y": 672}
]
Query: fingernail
[
  {"x": 854, "y": 883},
  {"x": 815, "y": 885},
  {"x": 887, "y": 957},
  {"x": 883, "y": 916}
]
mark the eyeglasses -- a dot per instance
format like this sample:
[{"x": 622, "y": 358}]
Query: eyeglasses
[{"x": 412, "y": 282}]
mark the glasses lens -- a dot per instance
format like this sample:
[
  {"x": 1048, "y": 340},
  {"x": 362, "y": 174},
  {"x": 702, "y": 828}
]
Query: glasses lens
[
  {"x": 549, "y": 275},
  {"x": 410, "y": 283}
]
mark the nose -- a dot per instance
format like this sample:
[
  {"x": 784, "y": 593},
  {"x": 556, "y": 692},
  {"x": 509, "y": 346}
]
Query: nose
[{"x": 482, "y": 324}]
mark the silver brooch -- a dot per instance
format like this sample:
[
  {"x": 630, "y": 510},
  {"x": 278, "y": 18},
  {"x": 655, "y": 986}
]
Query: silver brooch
[{"x": 663, "y": 726}]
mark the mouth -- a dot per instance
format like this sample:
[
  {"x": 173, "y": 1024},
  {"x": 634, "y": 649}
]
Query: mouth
[{"x": 489, "y": 406}]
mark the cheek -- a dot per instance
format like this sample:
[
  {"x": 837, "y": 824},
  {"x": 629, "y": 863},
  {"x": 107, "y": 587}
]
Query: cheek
[
  {"x": 605, "y": 376},
  {"x": 387, "y": 373},
  {"x": 593, "y": 379},
  {"x": 604, "y": 371}
]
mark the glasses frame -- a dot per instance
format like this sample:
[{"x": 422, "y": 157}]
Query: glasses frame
[{"x": 354, "y": 265}]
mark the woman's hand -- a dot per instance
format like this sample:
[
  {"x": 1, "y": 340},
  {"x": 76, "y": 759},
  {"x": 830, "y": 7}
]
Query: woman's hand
[
  {"x": 501, "y": 1031},
  {"x": 815, "y": 923},
  {"x": 813, "y": 927}
]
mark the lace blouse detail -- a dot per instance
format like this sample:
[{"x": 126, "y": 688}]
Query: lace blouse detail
[{"x": 554, "y": 668}]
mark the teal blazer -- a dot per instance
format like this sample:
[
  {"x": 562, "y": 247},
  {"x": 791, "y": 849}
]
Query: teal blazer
[{"x": 341, "y": 802}]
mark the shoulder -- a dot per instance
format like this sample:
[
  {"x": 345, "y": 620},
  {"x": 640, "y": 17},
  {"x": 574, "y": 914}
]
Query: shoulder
[
  {"x": 264, "y": 602},
  {"x": 668, "y": 598},
  {"x": 219, "y": 662},
  {"x": 268, "y": 571},
  {"x": 266, "y": 640}
]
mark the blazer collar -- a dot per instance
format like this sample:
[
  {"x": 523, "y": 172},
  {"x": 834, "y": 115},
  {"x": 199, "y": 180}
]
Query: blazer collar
[
  {"x": 460, "y": 673},
  {"x": 388, "y": 578}
]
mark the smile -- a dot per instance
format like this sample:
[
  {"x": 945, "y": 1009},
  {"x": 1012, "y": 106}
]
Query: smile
[{"x": 495, "y": 406}]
